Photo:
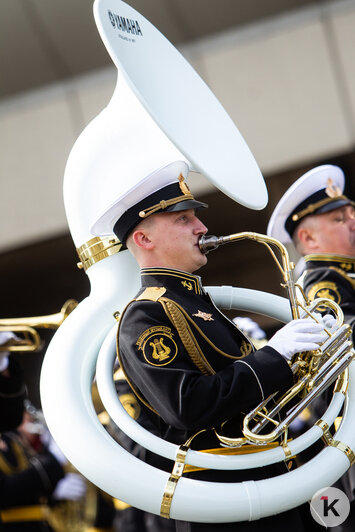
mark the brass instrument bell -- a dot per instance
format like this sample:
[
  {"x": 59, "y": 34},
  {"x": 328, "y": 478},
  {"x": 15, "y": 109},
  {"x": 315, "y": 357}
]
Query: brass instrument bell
[{"x": 30, "y": 340}]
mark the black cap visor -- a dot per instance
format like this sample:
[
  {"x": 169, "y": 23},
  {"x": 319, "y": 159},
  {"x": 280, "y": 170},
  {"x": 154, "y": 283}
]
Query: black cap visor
[
  {"x": 334, "y": 205},
  {"x": 123, "y": 230},
  {"x": 185, "y": 205}
]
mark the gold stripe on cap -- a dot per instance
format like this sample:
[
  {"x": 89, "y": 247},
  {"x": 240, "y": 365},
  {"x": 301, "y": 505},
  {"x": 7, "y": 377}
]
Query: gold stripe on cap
[
  {"x": 163, "y": 204},
  {"x": 97, "y": 249},
  {"x": 314, "y": 206}
]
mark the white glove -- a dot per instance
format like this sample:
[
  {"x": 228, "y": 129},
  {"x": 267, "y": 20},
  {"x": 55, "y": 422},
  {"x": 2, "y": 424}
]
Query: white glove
[
  {"x": 5, "y": 336},
  {"x": 297, "y": 336},
  {"x": 329, "y": 322},
  {"x": 72, "y": 487},
  {"x": 249, "y": 327}
]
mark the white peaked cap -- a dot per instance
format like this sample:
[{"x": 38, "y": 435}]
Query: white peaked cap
[
  {"x": 151, "y": 183},
  {"x": 305, "y": 187}
]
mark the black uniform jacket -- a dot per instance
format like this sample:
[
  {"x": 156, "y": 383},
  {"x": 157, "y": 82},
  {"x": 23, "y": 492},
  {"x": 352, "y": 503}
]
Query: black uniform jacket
[
  {"x": 187, "y": 397},
  {"x": 332, "y": 276},
  {"x": 26, "y": 479},
  {"x": 163, "y": 373}
]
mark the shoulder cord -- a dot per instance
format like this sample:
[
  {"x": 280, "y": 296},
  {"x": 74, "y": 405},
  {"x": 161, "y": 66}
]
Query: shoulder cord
[
  {"x": 177, "y": 318},
  {"x": 188, "y": 318}
]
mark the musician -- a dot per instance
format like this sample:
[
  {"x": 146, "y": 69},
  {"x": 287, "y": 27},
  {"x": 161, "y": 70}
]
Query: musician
[
  {"x": 190, "y": 366},
  {"x": 319, "y": 220},
  {"x": 316, "y": 216},
  {"x": 30, "y": 475}
]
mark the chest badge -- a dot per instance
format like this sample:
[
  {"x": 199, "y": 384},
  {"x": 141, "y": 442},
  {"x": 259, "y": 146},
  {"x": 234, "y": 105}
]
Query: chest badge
[{"x": 204, "y": 315}]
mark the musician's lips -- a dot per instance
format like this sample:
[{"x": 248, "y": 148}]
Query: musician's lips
[{"x": 200, "y": 250}]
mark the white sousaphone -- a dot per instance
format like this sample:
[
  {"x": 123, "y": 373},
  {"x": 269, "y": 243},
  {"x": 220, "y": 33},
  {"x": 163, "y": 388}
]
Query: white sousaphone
[{"x": 160, "y": 112}]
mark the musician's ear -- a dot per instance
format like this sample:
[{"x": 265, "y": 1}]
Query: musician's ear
[
  {"x": 141, "y": 239},
  {"x": 307, "y": 238}
]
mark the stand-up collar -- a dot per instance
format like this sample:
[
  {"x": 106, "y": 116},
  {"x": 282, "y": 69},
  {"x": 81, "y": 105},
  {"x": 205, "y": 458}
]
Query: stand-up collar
[
  {"x": 347, "y": 264},
  {"x": 172, "y": 279}
]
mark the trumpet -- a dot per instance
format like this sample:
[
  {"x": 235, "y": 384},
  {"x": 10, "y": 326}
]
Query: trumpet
[
  {"x": 314, "y": 370},
  {"x": 30, "y": 340}
]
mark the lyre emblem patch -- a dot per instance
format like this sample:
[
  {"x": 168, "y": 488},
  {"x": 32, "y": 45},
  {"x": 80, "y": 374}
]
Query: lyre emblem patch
[
  {"x": 187, "y": 285},
  {"x": 157, "y": 345},
  {"x": 204, "y": 315},
  {"x": 160, "y": 351}
]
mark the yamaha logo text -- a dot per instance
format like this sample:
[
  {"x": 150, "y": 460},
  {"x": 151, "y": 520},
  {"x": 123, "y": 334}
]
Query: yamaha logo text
[{"x": 125, "y": 24}]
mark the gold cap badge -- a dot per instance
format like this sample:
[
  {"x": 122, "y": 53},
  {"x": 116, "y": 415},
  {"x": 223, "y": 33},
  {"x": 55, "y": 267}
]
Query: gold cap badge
[
  {"x": 332, "y": 190},
  {"x": 183, "y": 186}
]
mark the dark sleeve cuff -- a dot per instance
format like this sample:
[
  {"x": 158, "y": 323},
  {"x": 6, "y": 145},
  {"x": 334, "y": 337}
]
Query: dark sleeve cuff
[{"x": 271, "y": 370}]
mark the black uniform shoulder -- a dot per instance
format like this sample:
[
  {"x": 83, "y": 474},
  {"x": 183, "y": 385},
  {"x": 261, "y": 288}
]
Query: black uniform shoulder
[
  {"x": 327, "y": 282},
  {"x": 142, "y": 310}
]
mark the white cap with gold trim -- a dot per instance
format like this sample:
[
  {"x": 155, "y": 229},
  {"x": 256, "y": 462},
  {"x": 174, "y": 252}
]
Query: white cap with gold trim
[
  {"x": 317, "y": 191},
  {"x": 164, "y": 190}
]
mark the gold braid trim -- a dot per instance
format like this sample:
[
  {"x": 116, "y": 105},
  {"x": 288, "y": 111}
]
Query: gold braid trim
[
  {"x": 163, "y": 204},
  {"x": 314, "y": 206},
  {"x": 219, "y": 351},
  {"x": 186, "y": 336}
]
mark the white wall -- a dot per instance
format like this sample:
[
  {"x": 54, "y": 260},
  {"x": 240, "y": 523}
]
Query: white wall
[{"x": 288, "y": 83}]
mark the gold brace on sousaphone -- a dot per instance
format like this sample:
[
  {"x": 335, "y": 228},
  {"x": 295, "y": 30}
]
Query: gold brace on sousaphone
[
  {"x": 314, "y": 371},
  {"x": 30, "y": 340}
]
